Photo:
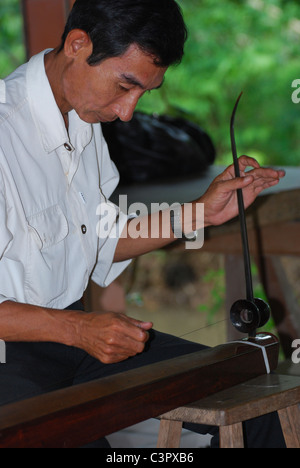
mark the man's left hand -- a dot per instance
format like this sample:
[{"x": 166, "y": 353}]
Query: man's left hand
[{"x": 220, "y": 200}]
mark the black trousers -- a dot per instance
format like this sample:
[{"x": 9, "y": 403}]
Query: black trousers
[{"x": 35, "y": 368}]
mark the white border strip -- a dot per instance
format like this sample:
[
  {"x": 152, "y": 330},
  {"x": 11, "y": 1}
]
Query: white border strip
[{"x": 264, "y": 352}]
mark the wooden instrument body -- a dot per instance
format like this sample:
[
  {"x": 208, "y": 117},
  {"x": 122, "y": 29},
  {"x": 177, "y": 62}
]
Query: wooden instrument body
[{"x": 78, "y": 415}]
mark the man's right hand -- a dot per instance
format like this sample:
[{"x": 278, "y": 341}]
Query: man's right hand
[
  {"x": 111, "y": 337},
  {"x": 108, "y": 336}
]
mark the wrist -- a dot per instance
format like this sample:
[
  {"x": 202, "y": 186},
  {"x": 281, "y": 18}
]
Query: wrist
[
  {"x": 183, "y": 223},
  {"x": 68, "y": 324}
]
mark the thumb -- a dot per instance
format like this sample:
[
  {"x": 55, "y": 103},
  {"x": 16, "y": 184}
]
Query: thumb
[
  {"x": 145, "y": 325},
  {"x": 242, "y": 182},
  {"x": 142, "y": 325}
]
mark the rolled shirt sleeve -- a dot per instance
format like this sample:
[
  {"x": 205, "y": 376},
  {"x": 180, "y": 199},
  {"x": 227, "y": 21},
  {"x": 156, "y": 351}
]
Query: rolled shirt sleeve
[
  {"x": 106, "y": 270},
  {"x": 5, "y": 234},
  {"x": 111, "y": 222}
]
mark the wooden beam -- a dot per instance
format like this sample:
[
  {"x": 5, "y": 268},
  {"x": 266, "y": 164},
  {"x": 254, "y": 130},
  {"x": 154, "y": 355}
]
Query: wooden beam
[
  {"x": 84, "y": 413},
  {"x": 44, "y": 23},
  {"x": 282, "y": 300},
  {"x": 281, "y": 207},
  {"x": 277, "y": 239},
  {"x": 273, "y": 225}
]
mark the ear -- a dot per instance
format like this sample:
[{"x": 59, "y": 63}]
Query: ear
[{"x": 76, "y": 43}]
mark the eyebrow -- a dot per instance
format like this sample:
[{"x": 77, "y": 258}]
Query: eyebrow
[{"x": 130, "y": 79}]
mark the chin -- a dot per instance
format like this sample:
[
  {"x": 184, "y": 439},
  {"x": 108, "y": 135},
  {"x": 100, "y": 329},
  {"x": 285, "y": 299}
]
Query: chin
[
  {"x": 108, "y": 120},
  {"x": 94, "y": 118}
]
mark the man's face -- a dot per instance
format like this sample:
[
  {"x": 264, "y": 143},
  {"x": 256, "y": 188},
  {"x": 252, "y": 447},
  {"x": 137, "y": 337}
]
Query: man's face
[{"x": 112, "y": 89}]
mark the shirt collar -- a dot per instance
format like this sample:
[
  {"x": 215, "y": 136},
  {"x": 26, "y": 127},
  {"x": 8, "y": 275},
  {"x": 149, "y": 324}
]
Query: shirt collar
[
  {"x": 2, "y": 92},
  {"x": 45, "y": 111}
]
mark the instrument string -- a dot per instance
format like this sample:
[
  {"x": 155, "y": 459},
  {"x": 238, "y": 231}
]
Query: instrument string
[
  {"x": 173, "y": 338},
  {"x": 67, "y": 381}
]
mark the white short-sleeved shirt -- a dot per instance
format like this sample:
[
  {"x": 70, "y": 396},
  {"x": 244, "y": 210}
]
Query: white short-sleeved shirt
[{"x": 52, "y": 183}]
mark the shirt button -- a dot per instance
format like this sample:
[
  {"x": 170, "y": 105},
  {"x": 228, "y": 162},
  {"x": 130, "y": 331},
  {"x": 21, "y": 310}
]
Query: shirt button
[
  {"x": 68, "y": 147},
  {"x": 83, "y": 229}
]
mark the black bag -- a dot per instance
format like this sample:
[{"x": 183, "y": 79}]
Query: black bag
[{"x": 150, "y": 148}]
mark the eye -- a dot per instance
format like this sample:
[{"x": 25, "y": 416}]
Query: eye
[{"x": 122, "y": 88}]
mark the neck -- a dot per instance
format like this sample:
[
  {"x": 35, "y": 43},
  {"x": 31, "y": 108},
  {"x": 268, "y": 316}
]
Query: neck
[{"x": 54, "y": 66}]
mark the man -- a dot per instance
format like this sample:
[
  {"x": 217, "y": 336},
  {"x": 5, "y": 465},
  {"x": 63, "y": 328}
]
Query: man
[{"x": 55, "y": 171}]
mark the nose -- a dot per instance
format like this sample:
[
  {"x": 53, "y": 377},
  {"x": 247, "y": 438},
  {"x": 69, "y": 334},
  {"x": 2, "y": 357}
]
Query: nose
[
  {"x": 125, "y": 113},
  {"x": 125, "y": 109}
]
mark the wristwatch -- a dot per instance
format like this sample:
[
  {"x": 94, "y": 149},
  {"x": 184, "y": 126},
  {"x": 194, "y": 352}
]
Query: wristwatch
[{"x": 176, "y": 225}]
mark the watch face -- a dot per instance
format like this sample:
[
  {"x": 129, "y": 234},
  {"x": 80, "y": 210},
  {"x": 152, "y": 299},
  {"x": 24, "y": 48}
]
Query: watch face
[
  {"x": 191, "y": 239},
  {"x": 175, "y": 216}
]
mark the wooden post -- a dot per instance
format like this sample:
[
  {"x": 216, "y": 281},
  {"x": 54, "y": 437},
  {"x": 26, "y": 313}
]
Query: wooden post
[{"x": 44, "y": 22}]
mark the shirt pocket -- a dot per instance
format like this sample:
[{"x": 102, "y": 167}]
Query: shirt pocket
[{"x": 46, "y": 275}]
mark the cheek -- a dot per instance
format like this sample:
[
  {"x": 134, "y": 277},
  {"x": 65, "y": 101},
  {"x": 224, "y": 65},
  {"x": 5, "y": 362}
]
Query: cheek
[
  {"x": 81, "y": 97},
  {"x": 88, "y": 92},
  {"x": 77, "y": 88}
]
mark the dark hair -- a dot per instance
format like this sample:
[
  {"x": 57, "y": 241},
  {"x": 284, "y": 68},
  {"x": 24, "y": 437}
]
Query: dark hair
[{"x": 156, "y": 26}]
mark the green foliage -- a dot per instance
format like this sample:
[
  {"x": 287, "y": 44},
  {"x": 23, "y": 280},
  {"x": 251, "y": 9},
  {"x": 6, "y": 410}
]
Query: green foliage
[
  {"x": 12, "y": 51},
  {"x": 215, "y": 278},
  {"x": 250, "y": 46}
]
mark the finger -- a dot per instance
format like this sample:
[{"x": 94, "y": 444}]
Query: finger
[
  {"x": 281, "y": 173},
  {"x": 237, "y": 183},
  {"x": 142, "y": 325},
  {"x": 263, "y": 184},
  {"x": 113, "y": 358},
  {"x": 266, "y": 173},
  {"x": 130, "y": 334},
  {"x": 260, "y": 183},
  {"x": 119, "y": 347},
  {"x": 247, "y": 161},
  {"x": 137, "y": 329},
  {"x": 244, "y": 162},
  {"x": 123, "y": 346}
]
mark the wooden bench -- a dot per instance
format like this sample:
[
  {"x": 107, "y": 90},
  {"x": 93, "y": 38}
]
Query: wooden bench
[
  {"x": 74, "y": 416},
  {"x": 229, "y": 408}
]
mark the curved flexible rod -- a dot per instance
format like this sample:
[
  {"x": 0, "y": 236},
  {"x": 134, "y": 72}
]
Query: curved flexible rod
[{"x": 247, "y": 262}]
